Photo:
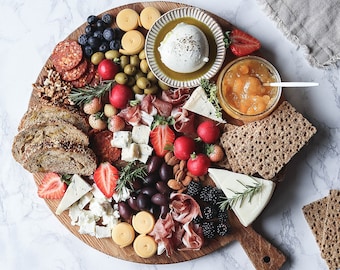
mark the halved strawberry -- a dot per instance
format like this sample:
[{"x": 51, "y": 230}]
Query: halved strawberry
[
  {"x": 106, "y": 177},
  {"x": 52, "y": 187},
  {"x": 241, "y": 43},
  {"x": 162, "y": 136}
]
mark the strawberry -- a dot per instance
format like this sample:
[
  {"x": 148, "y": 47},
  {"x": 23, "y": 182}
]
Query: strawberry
[
  {"x": 241, "y": 43},
  {"x": 106, "y": 177},
  {"x": 52, "y": 187},
  {"x": 162, "y": 136}
]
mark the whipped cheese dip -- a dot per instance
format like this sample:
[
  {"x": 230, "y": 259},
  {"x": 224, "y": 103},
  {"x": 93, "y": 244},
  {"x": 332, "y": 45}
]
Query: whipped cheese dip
[{"x": 184, "y": 49}]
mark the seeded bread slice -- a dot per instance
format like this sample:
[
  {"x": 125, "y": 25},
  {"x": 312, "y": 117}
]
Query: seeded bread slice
[
  {"x": 47, "y": 132},
  {"x": 46, "y": 113},
  {"x": 60, "y": 158}
]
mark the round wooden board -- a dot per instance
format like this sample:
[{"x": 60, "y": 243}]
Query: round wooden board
[{"x": 254, "y": 244}]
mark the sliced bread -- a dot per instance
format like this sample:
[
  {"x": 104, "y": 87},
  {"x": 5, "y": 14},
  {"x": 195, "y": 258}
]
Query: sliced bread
[
  {"x": 47, "y": 132},
  {"x": 63, "y": 159},
  {"x": 46, "y": 113}
]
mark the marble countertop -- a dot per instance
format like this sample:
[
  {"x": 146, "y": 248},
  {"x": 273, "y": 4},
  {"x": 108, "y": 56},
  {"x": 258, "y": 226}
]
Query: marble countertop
[{"x": 31, "y": 237}]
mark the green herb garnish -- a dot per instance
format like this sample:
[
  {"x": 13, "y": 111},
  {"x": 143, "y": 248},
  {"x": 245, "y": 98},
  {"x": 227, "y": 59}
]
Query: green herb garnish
[
  {"x": 211, "y": 91},
  {"x": 129, "y": 174},
  {"x": 80, "y": 96},
  {"x": 248, "y": 192}
]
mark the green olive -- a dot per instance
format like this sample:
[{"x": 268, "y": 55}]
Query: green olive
[
  {"x": 151, "y": 90},
  {"x": 143, "y": 83},
  {"x": 130, "y": 69},
  {"x": 141, "y": 55},
  {"x": 112, "y": 54},
  {"x": 144, "y": 67},
  {"x": 121, "y": 78},
  {"x": 124, "y": 60},
  {"x": 139, "y": 74},
  {"x": 163, "y": 86},
  {"x": 131, "y": 81},
  {"x": 151, "y": 77},
  {"x": 97, "y": 57},
  {"x": 137, "y": 90},
  {"x": 134, "y": 60}
]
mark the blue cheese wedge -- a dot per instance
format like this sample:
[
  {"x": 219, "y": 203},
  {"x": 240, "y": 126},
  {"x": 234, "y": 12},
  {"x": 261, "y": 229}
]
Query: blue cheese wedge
[
  {"x": 77, "y": 189},
  {"x": 199, "y": 104},
  {"x": 121, "y": 139},
  {"x": 141, "y": 134},
  {"x": 231, "y": 183}
]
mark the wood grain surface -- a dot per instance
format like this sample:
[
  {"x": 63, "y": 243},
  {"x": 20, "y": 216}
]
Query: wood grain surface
[{"x": 262, "y": 254}]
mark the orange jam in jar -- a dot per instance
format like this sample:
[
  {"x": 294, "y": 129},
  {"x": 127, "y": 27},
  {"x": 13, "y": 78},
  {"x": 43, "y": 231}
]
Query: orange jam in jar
[{"x": 241, "y": 91}]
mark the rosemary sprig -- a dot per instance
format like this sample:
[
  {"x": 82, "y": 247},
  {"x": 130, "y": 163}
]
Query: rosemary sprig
[
  {"x": 248, "y": 192},
  {"x": 211, "y": 91},
  {"x": 80, "y": 96},
  {"x": 129, "y": 174}
]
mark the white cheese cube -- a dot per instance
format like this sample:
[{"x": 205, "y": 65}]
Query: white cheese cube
[
  {"x": 145, "y": 152},
  {"x": 141, "y": 134},
  {"x": 103, "y": 232},
  {"x": 131, "y": 152},
  {"x": 121, "y": 139}
]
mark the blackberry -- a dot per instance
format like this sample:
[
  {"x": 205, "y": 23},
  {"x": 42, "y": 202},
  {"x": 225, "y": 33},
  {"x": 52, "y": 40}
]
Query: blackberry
[
  {"x": 194, "y": 188},
  {"x": 222, "y": 216},
  {"x": 209, "y": 229},
  {"x": 209, "y": 212},
  {"x": 222, "y": 229},
  {"x": 205, "y": 193},
  {"x": 107, "y": 18}
]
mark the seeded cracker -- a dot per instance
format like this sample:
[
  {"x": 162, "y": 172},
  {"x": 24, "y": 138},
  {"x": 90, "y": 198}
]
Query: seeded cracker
[
  {"x": 315, "y": 214},
  {"x": 267, "y": 145},
  {"x": 330, "y": 245}
]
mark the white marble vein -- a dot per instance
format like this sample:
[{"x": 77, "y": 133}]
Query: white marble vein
[{"x": 32, "y": 238}]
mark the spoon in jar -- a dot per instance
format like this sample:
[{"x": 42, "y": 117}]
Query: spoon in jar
[{"x": 291, "y": 84}]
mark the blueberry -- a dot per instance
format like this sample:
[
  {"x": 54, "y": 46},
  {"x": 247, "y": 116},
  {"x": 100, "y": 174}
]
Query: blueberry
[
  {"x": 88, "y": 51},
  {"x": 107, "y": 18},
  {"x": 92, "y": 19},
  {"x": 100, "y": 25},
  {"x": 88, "y": 29},
  {"x": 117, "y": 33},
  {"x": 109, "y": 34},
  {"x": 98, "y": 34},
  {"x": 82, "y": 39},
  {"x": 94, "y": 42},
  {"x": 104, "y": 47},
  {"x": 115, "y": 44}
]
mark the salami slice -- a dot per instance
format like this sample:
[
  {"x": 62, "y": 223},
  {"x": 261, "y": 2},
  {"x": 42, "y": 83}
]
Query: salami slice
[
  {"x": 66, "y": 55},
  {"x": 86, "y": 78},
  {"x": 75, "y": 73}
]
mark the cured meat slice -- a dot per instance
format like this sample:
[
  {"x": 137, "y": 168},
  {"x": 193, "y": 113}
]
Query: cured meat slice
[
  {"x": 193, "y": 237},
  {"x": 177, "y": 96},
  {"x": 86, "y": 78},
  {"x": 66, "y": 55},
  {"x": 75, "y": 73},
  {"x": 184, "y": 208}
]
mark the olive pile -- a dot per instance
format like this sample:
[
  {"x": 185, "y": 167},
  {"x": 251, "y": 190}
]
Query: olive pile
[
  {"x": 151, "y": 193},
  {"x": 99, "y": 36}
]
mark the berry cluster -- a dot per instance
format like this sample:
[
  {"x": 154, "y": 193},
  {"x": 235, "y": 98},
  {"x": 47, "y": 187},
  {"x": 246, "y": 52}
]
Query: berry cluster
[
  {"x": 99, "y": 36},
  {"x": 214, "y": 221}
]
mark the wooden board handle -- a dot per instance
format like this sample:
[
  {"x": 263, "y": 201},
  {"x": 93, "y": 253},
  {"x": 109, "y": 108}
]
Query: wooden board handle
[{"x": 263, "y": 254}]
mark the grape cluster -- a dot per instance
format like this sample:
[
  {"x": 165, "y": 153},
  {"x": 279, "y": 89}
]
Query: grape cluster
[
  {"x": 99, "y": 36},
  {"x": 214, "y": 221}
]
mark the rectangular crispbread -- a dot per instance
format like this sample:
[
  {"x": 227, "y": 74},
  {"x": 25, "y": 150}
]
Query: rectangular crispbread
[
  {"x": 323, "y": 217},
  {"x": 266, "y": 146},
  {"x": 315, "y": 214},
  {"x": 330, "y": 246}
]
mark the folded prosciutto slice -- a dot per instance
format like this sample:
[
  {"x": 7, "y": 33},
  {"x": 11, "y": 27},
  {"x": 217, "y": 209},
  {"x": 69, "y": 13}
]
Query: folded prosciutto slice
[{"x": 184, "y": 208}]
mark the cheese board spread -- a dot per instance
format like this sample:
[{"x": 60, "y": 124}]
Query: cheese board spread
[{"x": 143, "y": 163}]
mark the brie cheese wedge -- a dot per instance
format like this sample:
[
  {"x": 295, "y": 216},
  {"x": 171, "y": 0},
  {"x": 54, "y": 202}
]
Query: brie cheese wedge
[
  {"x": 231, "y": 183},
  {"x": 77, "y": 189},
  {"x": 199, "y": 104}
]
